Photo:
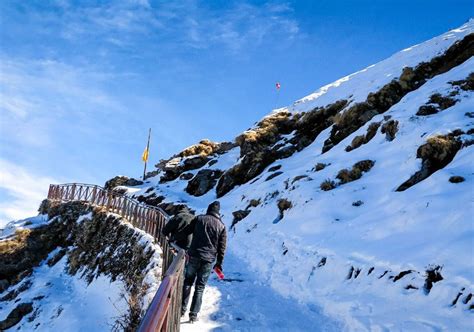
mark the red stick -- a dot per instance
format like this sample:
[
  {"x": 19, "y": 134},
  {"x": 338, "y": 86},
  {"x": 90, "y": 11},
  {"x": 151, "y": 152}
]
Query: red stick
[{"x": 219, "y": 273}]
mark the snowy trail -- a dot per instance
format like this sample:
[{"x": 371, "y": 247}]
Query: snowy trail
[{"x": 245, "y": 304}]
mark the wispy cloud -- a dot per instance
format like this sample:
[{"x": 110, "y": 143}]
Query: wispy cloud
[
  {"x": 24, "y": 191},
  {"x": 37, "y": 94},
  {"x": 189, "y": 23}
]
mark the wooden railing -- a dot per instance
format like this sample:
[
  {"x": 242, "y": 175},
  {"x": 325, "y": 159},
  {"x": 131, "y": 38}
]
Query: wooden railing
[{"x": 163, "y": 314}]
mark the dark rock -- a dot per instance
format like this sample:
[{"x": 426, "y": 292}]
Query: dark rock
[
  {"x": 238, "y": 216},
  {"x": 4, "y": 284},
  {"x": 466, "y": 84},
  {"x": 274, "y": 168},
  {"x": 457, "y": 298},
  {"x": 433, "y": 275},
  {"x": 320, "y": 166},
  {"x": 273, "y": 175},
  {"x": 410, "y": 287},
  {"x": 122, "y": 181},
  {"x": 390, "y": 129},
  {"x": 195, "y": 162},
  {"x": 152, "y": 199},
  {"x": 322, "y": 262},
  {"x": 427, "y": 110},
  {"x": 357, "y": 203},
  {"x": 443, "y": 102},
  {"x": 401, "y": 275},
  {"x": 203, "y": 181},
  {"x": 436, "y": 153},
  {"x": 283, "y": 205},
  {"x": 186, "y": 176},
  {"x": 15, "y": 316},
  {"x": 456, "y": 179},
  {"x": 253, "y": 203},
  {"x": 299, "y": 177}
]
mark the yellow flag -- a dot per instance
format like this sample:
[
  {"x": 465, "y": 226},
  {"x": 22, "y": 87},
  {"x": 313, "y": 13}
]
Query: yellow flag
[{"x": 145, "y": 155}]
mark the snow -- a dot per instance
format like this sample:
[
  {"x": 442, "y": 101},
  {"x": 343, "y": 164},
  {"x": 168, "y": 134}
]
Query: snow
[
  {"x": 63, "y": 302},
  {"x": 12, "y": 226},
  {"x": 357, "y": 86},
  {"x": 428, "y": 225},
  {"x": 243, "y": 303},
  {"x": 68, "y": 303}
]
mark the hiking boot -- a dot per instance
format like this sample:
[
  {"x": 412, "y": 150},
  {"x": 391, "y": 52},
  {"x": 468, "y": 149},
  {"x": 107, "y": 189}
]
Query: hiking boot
[{"x": 193, "y": 319}]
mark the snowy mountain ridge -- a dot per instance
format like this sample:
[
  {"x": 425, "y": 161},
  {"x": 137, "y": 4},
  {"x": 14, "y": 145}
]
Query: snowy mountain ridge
[
  {"x": 356, "y": 199},
  {"x": 350, "y": 209}
]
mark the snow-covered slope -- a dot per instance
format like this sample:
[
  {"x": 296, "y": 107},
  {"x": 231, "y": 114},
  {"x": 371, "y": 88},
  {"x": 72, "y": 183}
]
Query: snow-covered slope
[
  {"x": 75, "y": 268},
  {"x": 358, "y": 198}
]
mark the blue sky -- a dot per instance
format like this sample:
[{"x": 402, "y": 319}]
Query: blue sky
[{"x": 81, "y": 82}]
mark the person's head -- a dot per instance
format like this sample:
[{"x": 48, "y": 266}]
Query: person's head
[{"x": 214, "y": 208}]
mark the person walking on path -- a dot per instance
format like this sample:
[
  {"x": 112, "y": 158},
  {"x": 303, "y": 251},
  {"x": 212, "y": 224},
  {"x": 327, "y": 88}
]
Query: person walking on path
[
  {"x": 208, "y": 245},
  {"x": 177, "y": 228}
]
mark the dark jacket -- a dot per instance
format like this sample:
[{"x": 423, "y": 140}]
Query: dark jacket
[
  {"x": 177, "y": 228},
  {"x": 209, "y": 238}
]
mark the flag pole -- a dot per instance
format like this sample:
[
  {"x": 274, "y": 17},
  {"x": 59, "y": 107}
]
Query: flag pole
[{"x": 148, "y": 152}]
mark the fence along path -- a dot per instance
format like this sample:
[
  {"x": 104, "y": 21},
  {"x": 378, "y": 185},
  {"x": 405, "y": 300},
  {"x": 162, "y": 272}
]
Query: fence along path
[{"x": 163, "y": 314}]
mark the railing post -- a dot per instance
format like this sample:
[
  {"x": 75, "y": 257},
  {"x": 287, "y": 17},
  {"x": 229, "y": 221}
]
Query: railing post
[{"x": 73, "y": 191}]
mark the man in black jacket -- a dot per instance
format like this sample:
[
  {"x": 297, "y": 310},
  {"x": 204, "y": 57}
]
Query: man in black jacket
[
  {"x": 177, "y": 228},
  {"x": 209, "y": 242}
]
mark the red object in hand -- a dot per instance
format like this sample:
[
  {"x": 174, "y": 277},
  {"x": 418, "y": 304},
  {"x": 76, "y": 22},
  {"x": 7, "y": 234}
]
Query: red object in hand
[{"x": 219, "y": 273}]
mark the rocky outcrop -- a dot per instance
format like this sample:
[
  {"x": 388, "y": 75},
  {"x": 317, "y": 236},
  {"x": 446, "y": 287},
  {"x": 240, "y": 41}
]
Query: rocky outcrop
[
  {"x": 436, "y": 153},
  {"x": 99, "y": 244},
  {"x": 191, "y": 158},
  {"x": 121, "y": 181},
  {"x": 264, "y": 144},
  {"x": 203, "y": 181},
  {"x": 390, "y": 94}
]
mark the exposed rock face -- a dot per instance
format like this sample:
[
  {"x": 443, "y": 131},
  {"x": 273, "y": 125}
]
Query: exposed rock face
[
  {"x": 410, "y": 79},
  {"x": 390, "y": 129},
  {"x": 203, "y": 181},
  {"x": 102, "y": 244},
  {"x": 364, "y": 139},
  {"x": 193, "y": 157},
  {"x": 238, "y": 216},
  {"x": 436, "y": 103},
  {"x": 467, "y": 84},
  {"x": 258, "y": 146},
  {"x": 121, "y": 181},
  {"x": 16, "y": 315},
  {"x": 169, "y": 207},
  {"x": 436, "y": 153}
]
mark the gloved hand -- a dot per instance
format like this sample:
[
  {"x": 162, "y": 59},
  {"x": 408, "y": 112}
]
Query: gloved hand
[{"x": 218, "y": 266}]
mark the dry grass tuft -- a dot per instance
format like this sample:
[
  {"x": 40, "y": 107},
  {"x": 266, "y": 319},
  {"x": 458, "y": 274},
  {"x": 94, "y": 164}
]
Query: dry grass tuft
[
  {"x": 18, "y": 241},
  {"x": 349, "y": 175},
  {"x": 204, "y": 148},
  {"x": 328, "y": 184}
]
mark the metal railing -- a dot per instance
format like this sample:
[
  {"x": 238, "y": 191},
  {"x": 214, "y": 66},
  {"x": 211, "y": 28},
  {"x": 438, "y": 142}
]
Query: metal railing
[{"x": 164, "y": 312}]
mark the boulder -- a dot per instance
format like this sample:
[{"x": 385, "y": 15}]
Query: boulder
[
  {"x": 121, "y": 181},
  {"x": 203, "y": 181}
]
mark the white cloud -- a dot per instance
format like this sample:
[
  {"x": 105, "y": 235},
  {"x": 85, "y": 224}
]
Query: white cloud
[
  {"x": 24, "y": 191},
  {"x": 35, "y": 95},
  {"x": 191, "y": 23}
]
